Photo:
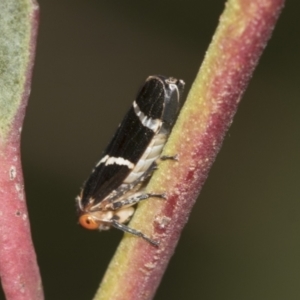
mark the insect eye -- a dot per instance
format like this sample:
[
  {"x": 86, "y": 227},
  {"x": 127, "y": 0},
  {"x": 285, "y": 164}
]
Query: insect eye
[{"x": 88, "y": 222}]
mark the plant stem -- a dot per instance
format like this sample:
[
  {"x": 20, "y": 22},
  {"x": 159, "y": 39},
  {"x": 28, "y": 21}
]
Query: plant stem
[
  {"x": 244, "y": 29},
  {"x": 18, "y": 266}
]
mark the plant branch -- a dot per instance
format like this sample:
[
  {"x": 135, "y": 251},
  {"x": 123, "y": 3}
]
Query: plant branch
[
  {"x": 243, "y": 31},
  {"x": 18, "y": 266}
]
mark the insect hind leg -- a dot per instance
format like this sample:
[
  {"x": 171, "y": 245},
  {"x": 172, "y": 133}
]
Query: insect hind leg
[
  {"x": 170, "y": 157},
  {"x": 125, "y": 228}
]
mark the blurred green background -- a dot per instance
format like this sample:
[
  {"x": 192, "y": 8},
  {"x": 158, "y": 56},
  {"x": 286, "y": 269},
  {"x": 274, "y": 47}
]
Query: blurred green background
[{"x": 242, "y": 240}]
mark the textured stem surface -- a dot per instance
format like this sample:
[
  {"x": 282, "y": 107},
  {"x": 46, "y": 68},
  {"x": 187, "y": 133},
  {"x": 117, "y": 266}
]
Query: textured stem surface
[
  {"x": 19, "y": 271},
  {"x": 244, "y": 29}
]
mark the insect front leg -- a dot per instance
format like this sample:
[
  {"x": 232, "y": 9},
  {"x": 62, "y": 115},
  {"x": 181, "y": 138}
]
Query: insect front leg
[{"x": 125, "y": 228}]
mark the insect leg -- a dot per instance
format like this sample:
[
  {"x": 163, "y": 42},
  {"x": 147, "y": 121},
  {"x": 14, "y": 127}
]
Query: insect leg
[
  {"x": 171, "y": 157},
  {"x": 125, "y": 228},
  {"x": 133, "y": 200}
]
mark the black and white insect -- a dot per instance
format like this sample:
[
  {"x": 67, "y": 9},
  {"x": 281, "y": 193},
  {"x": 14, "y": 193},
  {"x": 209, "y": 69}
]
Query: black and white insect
[{"x": 118, "y": 180}]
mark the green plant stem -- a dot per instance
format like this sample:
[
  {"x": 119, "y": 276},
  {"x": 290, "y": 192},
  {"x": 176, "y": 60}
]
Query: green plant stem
[{"x": 244, "y": 29}]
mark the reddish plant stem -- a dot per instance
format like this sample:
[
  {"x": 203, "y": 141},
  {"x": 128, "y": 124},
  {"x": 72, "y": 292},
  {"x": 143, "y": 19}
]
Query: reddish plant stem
[
  {"x": 19, "y": 271},
  {"x": 244, "y": 29}
]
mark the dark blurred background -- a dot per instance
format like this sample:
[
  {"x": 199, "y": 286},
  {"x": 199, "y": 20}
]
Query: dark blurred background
[{"x": 242, "y": 240}]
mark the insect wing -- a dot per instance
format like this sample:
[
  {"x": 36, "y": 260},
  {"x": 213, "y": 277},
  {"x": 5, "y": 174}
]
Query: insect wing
[{"x": 128, "y": 144}]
